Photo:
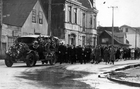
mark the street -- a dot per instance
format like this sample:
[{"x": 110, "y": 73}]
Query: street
[
  {"x": 39, "y": 77},
  {"x": 64, "y": 76}
]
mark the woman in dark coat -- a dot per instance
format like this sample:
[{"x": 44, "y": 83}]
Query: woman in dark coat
[
  {"x": 97, "y": 55},
  {"x": 106, "y": 55}
]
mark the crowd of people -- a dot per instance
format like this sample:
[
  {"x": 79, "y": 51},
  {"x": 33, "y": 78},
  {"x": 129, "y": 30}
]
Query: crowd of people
[{"x": 88, "y": 54}]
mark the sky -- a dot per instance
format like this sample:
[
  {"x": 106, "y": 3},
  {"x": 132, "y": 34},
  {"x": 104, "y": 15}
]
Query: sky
[{"x": 127, "y": 13}]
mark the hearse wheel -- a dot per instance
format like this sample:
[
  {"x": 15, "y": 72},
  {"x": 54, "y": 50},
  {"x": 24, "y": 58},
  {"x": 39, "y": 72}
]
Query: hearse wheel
[
  {"x": 30, "y": 60},
  {"x": 8, "y": 61}
]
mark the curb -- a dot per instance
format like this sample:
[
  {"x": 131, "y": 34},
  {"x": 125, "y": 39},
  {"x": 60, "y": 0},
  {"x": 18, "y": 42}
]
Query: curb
[
  {"x": 109, "y": 77},
  {"x": 127, "y": 67},
  {"x": 124, "y": 82}
]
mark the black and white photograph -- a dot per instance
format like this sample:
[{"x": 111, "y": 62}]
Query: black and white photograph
[{"x": 69, "y": 44}]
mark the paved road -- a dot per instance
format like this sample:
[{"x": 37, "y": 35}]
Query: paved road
[
  {"x": 9, "y": 81},
  {"x": 40, "y": 77},
  {"x": 56, "y": 77},
  {"x": 102, "y": 83}
]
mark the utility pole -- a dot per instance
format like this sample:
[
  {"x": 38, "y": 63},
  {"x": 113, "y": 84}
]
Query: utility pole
[
  {"x": 136, "y": 38},
  {"x": 49, "y": 18},
  {"x": 1, "y": 17},
  {"x": 112, "y": 7},
  {"x": 112, "y": 49}
]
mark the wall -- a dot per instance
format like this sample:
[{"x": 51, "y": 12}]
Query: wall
[
  {"x": 71, "y": 28},
  {"x": 9, "y": 33},
  {"x": 131, "y": 36},
  {"x": 90, "y": 29},
  {"x": 30, "y": 28}
]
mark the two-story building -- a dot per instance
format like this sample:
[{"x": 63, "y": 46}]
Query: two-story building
[
  {"x": 22, "y": 17},
  {"x": 73, "y": 21},
  {"x": 133, "y": 35}
]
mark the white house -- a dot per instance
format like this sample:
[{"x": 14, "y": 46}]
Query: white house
[
  {"x": 132, "y": 34},
  {"x": 22, "y": 17}
]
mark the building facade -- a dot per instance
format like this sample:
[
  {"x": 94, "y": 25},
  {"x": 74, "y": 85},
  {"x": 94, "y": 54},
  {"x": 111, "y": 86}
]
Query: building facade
[
  {"x": 22, "y": 17},
  {"x": 132, "y": 34},
  {"x": 73, "y": 21},
  {"x": 80, "y": 23}
]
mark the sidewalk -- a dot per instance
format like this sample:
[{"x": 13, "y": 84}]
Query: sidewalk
[
  {"x": 99, "y": 74},
  {"x": 102, "y": 67},
  {"x": 112, "y": 76}
]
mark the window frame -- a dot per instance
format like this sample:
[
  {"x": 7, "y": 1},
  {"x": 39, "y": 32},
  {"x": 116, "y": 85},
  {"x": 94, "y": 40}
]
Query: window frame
[
  {"x": 40, "y": 17},
  {"x": 126, "y": 29},
  {"x": 83, "y": 21},
  {"x": 69, "y": 13},
  {"x": 75, "y": 15},
  {"x": 34, "y": 16}
]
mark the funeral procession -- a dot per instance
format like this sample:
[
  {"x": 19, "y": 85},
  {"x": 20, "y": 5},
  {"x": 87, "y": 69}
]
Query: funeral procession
[{"x": 69, "y": 44}]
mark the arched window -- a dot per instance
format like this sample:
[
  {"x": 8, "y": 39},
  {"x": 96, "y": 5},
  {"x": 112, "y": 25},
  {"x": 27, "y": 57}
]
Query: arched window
[
  {"x": 73, "y": 39},
  {"x": 40, "y": 16}
]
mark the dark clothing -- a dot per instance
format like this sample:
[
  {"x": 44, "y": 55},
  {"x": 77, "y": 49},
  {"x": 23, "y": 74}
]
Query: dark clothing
[
  {"x": 83, "y": 59},
  {"x": 97, "y": 55},
  {"x": 112, "y": 55},
  {"x": 73, "y": 51},
  {"x": 61, "y": 53},
  {"x": 79, "y": 54},
  {"x": 118, "y": 53},
  {"x": 87, "y": 53},
  {"x": 106, "y": 55}
]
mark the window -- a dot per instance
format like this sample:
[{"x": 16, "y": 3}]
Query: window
[
  {"x": 69, "y": 14},
  {"x": 73, "y": 39},
  {"x": 94, "y": 21},
  {"x": 126, "y": 29},
  {"x": 75, "y": 15},
  {"x": 91, "y": 21},
  {"x": 40, "y": 17},
  {"x": 83, "y": 21},
  {"x": 105, "y": 40},
  {"x": 83, "y": 40},
  {"x": 34, "y": 16},
  {"x": 69, "y": 39},
  {"x": 94, "y": 41}
]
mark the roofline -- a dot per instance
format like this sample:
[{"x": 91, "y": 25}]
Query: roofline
[
  {"x": 133, "y": 28},
  {"x": 90, "y": 3},
  {"x": 23, "y": 21},
  {"x": 43, "y": 10},
  {"x": 117, "y": 40},
  {"x": 115, "y": 34}
]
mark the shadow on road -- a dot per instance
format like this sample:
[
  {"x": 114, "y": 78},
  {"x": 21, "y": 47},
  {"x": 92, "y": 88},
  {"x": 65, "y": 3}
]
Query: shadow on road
[{"x": 56, "y": 77}]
